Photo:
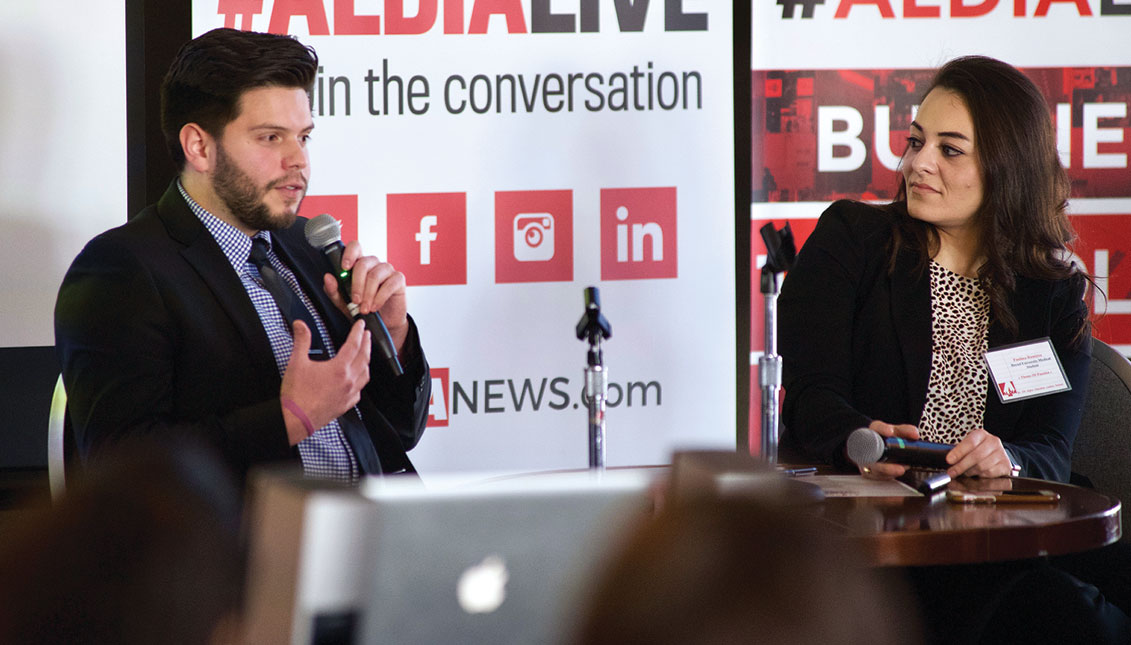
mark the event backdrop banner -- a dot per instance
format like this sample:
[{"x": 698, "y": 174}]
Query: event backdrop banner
[
  {"x": 830, "y": 120},
  {"x": 505, "y": 154}
]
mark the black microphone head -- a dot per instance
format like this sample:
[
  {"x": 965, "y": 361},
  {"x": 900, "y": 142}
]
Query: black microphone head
[
  {"x": 322, "y": 231},
  {"x": 865, "y": 446},
  {"x": 592, "y": 298}
]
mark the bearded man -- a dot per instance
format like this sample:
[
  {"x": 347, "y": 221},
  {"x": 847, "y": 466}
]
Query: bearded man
[{"x": 209, "y": 315}]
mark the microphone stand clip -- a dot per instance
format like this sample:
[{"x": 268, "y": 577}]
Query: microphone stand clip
[
  {"x": 594, "y": 327},
  {"x": 780, "y": 253}
]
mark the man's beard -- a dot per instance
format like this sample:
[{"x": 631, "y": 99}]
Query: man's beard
[{"x": 243, "y": 200}]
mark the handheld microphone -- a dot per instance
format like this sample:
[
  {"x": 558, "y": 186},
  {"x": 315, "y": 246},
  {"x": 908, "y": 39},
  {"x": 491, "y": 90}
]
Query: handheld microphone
[
  {"x": 325, "y": 234},
  {"x": 866, "y": 446}
]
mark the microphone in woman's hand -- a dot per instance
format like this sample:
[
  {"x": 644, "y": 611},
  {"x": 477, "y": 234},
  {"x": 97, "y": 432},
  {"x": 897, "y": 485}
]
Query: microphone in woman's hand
[{"x": 866, "y": 446}]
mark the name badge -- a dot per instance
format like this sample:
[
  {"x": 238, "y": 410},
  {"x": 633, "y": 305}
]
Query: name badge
[{"x": 1026, "y": 370}]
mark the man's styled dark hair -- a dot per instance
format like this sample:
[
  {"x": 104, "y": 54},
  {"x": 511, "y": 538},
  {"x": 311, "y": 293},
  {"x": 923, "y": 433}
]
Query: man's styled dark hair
[
  {"x": 211, "y": 73},
  {"x": 1024, "y": 227}
]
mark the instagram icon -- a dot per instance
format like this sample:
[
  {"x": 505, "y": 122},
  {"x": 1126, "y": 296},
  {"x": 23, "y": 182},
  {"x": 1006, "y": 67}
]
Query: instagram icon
[{"x": 533, "y": 236}]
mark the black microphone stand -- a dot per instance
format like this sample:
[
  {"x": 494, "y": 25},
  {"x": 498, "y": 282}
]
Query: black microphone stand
[
  {"x": 780, "y": 252},
  {"x": 594, "y": 327}
]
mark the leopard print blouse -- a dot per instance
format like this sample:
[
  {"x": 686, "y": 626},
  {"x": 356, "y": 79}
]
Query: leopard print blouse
[{"x": 956, "y": 392}]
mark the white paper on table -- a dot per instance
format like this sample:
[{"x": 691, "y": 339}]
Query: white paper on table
[{"x": 858, "y": 486}]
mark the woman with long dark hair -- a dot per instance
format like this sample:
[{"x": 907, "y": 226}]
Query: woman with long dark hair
[
  {"x": 889, "y": 310},
  {"x": 887, "y": 316}
]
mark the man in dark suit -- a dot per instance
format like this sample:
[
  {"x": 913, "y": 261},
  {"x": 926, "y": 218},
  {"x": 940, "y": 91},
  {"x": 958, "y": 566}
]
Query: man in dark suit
[{"x": 208, "y": 314}]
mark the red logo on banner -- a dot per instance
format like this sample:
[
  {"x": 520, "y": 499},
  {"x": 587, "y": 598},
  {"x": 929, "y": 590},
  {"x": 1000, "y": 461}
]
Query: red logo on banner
[
  {"x": 1103, "y": 249},
  {"x": 638, "y": 233},
  {"x": 825, "y": 134},
  {"x": 801, "y": 228},
  {"x": 428, "y": 237},
  {"x": 630, "y": 17},
  {"x": 438, "y": 408},
  {"x": 533, "y": 236},
  {"x": 243, "y": 8},
  {"x": 887, "y": 9},
  {"x": 341, "y": 207}
]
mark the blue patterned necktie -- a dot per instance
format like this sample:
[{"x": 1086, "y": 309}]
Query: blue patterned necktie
[{"x": 292, "y": 308}]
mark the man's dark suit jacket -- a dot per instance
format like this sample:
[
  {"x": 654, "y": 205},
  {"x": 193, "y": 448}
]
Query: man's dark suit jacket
[
  {"x": 156, "y": 335},
  {"x": 856, "y": 346}
]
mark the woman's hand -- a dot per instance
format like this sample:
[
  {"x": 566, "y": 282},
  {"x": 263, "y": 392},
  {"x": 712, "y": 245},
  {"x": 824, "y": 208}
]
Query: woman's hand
[
  {"x": 884, "y": 429},
  {"x": 979, "y": 453}
]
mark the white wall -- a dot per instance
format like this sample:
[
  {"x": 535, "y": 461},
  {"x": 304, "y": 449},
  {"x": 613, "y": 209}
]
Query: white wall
[{"x": 62, "y": 149}]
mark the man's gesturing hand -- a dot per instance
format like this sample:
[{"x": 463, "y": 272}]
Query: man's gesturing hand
[{"x": 324, "y": 390}]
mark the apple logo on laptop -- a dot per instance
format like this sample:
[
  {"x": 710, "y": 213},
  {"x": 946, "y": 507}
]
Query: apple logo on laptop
[{"x": 482, "y": 587}]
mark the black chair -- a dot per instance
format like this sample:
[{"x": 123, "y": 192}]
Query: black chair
[{"x": 1102, "y": 453}]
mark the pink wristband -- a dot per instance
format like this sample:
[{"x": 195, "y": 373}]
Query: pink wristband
[{"x": 297, "y": 411}]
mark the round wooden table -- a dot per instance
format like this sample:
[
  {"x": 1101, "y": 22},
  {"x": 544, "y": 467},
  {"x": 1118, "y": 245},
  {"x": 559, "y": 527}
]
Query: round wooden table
[{"x": 921, "y": 531}]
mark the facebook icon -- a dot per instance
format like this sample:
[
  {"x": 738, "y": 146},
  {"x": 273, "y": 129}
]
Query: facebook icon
[{"x": 426, "y": 237}]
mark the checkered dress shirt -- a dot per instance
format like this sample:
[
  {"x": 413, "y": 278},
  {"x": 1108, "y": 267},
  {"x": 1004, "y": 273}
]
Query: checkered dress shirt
[{"x": 326, "y": 454}]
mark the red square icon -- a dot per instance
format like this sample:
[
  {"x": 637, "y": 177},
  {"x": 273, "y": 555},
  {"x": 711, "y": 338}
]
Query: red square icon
[
  {"x": 638, "y": 233},
  {"x": 533, "y": 236},
  {"x": 341, "y": 207},
  {"x": 805, "y": 86},
  {"x": 438, "y": 406},
  {"x": 428, "y": 237},
  {"x": 773, "y": 88}
]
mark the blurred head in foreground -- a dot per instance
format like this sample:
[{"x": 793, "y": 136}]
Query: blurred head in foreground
[
  {"x": 144, "y": 549},
  {"x": 708, "y": 571}
]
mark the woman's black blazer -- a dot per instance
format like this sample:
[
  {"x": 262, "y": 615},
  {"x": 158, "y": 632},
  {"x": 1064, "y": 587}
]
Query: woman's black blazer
[{"x": 855, "y": 339}]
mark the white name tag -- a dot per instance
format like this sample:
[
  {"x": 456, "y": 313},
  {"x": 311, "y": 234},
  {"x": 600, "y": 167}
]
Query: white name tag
[{"x": 1026, "y": 370}]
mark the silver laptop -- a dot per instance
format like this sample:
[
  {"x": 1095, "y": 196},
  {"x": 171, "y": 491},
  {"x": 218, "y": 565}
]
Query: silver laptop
[{"x": 504, "y": 561}]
